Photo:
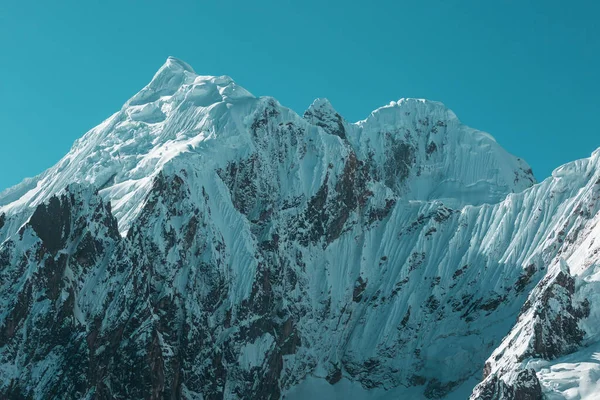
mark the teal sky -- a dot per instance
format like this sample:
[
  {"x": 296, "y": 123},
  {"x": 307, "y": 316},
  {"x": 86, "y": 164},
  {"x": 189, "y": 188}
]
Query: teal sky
[{"x": 524, "y": 71}]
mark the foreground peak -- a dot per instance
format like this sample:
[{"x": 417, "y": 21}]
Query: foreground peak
[
  {"x": 178, "y": 76},
  {"x": 173, "y": 63},
  {"x": 167, "y": 80},
  {"x": 172, "y": 71}
]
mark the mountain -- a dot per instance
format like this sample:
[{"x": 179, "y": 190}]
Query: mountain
[{"x": 203, "y": 243}]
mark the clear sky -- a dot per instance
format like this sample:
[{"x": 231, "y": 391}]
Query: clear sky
[{"x": 524, "y": 71}]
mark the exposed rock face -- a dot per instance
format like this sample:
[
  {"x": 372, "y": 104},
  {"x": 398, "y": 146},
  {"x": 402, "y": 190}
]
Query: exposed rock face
[
  {"x": 556, "y": 330},
  {"x": 234, "y": 249},
  {"x": 44, "y": 269},
  {"x": 547, "y": 329},
  {"x": 322, "y": 114},
  {"x": 526, "y": 386}
]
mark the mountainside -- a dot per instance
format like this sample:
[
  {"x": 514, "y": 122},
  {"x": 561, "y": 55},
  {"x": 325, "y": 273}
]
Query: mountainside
[{"x": 203, "y": 243}]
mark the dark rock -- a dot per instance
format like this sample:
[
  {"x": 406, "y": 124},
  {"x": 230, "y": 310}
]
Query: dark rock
[
  {"x": 459, "y": 272},
  {"x": 556, "y": 330},
  {"x": 431, "y": 147},
  {"x": 52, "y": 223},
  {"x": 525, "y": 278},
  {"x": 526, "y": 386},
  {"x": 492, "y": 303},
  {"x": 400, "y": 157},
  {"x": 316, "y": 214},
  {"x": 406, "y": 318},
  {"x": 417, "y": 380},
  {"x": 15, "y": 317},
  {"x": 430, "y": 232},
  {"x": 416, "y": 260},
  {"x": 436, "y": 389},
  {"x": 432, "y": 304},
  {"x": 335, "y": 375},
  {"x": 487, "y": 370},
  {"x": 326, "y": 118},
  {"x": 379, "y": 214},
  {"x": 240, "y": 178},
  {"x": 359, "y": 287}
]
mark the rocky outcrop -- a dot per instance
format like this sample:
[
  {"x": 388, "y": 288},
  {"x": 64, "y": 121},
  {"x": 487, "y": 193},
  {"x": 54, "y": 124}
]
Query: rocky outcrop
[
  {"x": 525, "y": 386},
  {"x": 322, "y": 114},
  {"x": 555, "y": 317},
  {"x": 547, "y": 328}
]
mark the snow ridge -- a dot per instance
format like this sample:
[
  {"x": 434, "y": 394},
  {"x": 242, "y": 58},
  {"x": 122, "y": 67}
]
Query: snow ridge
[{"x": 180, "y": 111}]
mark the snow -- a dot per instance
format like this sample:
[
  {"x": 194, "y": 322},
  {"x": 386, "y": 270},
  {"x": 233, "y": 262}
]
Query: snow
[{"x": 573, "y": 377}]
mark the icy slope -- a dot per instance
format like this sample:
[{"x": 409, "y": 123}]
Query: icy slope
[
  {"x": 561, "y": 314},
  {"x": 204, "y": 243}
]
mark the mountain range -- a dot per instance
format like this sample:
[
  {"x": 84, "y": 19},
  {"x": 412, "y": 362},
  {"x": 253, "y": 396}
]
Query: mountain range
[{"x": 204, "y": 243}]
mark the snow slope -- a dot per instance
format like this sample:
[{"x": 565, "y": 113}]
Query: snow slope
[{"x": 235, "y": 249}]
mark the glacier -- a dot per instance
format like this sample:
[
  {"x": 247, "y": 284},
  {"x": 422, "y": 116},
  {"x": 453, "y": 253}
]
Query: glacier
[{"x": 204, "y": 243}]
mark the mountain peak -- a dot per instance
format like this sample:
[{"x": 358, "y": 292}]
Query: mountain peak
[
  {"x": 167, "y": 80},
  {"x": 174, "y": 63},
  {"x": 413, "y": 106},
  {"x": 177, "y": 76},
  {"x": 321, "y": 103},
  {"x": 322, "y": 114}
]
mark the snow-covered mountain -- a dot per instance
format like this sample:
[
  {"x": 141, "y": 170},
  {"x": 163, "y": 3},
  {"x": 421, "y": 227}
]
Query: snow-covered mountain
[{"x": 204, "y": 243}]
